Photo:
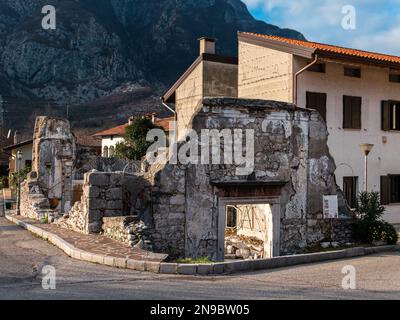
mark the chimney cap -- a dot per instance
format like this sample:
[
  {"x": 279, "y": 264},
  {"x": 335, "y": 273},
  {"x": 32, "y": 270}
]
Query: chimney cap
[{"x": 210, "y": 39}]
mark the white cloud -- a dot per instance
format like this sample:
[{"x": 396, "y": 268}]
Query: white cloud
[{"x": 378, "y": 22}]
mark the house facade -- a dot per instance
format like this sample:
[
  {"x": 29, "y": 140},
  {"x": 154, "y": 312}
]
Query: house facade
[
  {"x": 356, "y": 92},
  {"x": 113, "y": 136},
  {"x": 25, "y": 149}
]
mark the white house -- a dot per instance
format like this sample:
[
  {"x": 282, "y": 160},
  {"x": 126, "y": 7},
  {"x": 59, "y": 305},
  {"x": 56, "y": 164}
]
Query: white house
[
  {"x": 111, "y": 137},
  {"x": 356, "y": 92}
]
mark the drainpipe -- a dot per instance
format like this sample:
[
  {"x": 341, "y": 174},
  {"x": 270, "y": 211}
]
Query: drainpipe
[
  {"x": 296, "y": 77},
  {"x": 175, "y": 116}
]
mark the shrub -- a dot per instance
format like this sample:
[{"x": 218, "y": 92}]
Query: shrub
[{"x": 369, "y": 226}]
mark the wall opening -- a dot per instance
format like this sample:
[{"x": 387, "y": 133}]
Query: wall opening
[{"x": 248, "y": 228}]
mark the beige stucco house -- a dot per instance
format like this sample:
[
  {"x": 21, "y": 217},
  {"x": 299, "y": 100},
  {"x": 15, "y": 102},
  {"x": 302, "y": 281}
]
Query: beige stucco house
[
  {"x": 210, "y": 75},
  {"x": 357, "y": 93}
]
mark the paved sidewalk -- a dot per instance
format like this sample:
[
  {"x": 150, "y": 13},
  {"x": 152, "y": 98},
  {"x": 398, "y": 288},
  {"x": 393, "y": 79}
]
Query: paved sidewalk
[{"x": 97, "y": 244}]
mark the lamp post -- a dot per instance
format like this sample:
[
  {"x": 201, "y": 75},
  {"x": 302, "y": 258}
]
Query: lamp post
[
  {"x": 366, "y": 148},
  {"x": 19, "y": 159}
]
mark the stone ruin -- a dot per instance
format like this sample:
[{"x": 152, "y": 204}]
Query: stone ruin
[
  {"x": 180, "y": 209},
  {"x": 48, "y": 189}
]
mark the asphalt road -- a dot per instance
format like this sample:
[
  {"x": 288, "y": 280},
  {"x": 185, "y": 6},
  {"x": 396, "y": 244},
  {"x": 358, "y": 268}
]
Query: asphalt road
[{"x": 22, "y": 257}]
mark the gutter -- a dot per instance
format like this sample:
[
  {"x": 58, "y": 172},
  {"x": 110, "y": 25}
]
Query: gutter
[
  {"x": 175, "y": 117},
  {"x": 296, "y": 77}
]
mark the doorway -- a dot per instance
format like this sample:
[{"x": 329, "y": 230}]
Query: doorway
[{"x": 248, "y": 228}]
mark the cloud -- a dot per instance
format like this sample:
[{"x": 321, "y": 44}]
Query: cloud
[{"x": 378, "y": 22}]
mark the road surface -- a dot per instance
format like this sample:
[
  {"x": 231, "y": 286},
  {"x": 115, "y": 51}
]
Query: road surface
[{"x": 22, "y": 257}]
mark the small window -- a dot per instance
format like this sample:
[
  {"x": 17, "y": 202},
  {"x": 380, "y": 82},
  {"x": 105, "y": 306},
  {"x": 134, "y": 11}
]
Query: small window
[
  {"x": 317, "y": 101},
  {"x": 390, "y": 115},
  {"x": 394, "y": 77},
  {"x": 352, "y": 112},
  {"x": 111, "y": 152},
  {"x": 318, "y": 67},
  {"x": 352, "y": 72},
  {"x": 350, "y": 190},
  {"x": 105, "y": 152},
  {"x": 390, "y": 189}
]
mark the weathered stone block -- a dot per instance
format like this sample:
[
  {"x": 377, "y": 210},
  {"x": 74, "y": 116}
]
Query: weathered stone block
[
  {"x": 168, "y": 268},
  {"x": 114, "y": 205},
  {"x": 178, "y": 200},
  {"x": 136, "y": 265},
  {"x": 188, "y": 269},
  {"x": 97, "y": 204},
  {"x": 114, "y": 194},
  {"x": 98, "y": 179}
]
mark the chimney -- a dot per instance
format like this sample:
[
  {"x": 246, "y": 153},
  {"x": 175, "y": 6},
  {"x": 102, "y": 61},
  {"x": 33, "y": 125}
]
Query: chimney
[
  {"x": 207, "y": 45},
  {"x": 130, "y": 120},
  {"x": 17, "y": 137}
]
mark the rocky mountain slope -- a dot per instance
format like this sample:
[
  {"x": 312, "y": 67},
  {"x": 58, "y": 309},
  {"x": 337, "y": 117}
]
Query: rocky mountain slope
[{"x": 107, "y": 58}]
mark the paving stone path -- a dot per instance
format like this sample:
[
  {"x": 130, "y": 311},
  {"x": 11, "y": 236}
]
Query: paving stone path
[{"x": 97, "y": 244}]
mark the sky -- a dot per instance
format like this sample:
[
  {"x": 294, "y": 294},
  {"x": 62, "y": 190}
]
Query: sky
[{"x": 376, "y": 26}]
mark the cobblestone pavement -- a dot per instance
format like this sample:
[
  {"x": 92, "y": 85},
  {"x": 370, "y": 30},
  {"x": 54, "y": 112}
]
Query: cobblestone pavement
[
  {"x": 22, "y": 257},
  {"x": 96, "y": 243}
]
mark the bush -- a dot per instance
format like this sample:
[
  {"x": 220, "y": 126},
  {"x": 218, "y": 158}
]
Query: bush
[{"x": 369, "y": 226}]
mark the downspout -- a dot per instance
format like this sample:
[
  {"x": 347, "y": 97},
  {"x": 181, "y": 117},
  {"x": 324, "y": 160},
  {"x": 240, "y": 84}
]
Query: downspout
[
  {"x": 175, "y": 117},
  {"x": 296, "y": 78}
]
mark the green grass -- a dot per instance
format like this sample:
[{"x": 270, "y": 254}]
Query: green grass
[{"x": 201, "y": 260}]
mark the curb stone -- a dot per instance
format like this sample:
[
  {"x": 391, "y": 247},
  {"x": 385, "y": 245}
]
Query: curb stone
[{"x": 199, "y": 269}]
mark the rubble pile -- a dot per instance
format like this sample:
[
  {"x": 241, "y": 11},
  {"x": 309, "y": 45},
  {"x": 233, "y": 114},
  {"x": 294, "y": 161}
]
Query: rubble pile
[{"x": 242, "y": 247}]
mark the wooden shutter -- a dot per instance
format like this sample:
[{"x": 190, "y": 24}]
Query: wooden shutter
[
  {"x": 385, "y": 119},
  {"x": 385, "y": 190},
  {"x": 317, "y": 101},
  {"x": 356, "y": 112},
  {"x": 347, "y": 114}
]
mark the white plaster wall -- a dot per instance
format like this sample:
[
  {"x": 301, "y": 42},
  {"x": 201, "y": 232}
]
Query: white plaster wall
[
  {"x": 108, "y": 142},
  {"x": 26, "y": 155},
  {"x": 264, "y": 73},
  {"x": 373, "y": 87}
]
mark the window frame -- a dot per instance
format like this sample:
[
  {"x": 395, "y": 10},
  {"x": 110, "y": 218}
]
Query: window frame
[
  {"x": 309, "y": 94},
  {"x": 355, "y": 187},
  {"x": 352, "y": 72},
  {"x": 354, "y": 124}
]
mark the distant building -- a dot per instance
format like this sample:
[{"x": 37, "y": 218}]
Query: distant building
[
  {"x": 25, "y": 147},
  {"x": 113, "y": 136}
]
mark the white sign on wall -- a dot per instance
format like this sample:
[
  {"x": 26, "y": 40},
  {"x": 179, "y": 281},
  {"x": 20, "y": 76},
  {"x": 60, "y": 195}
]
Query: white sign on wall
[{"x": 331, "y": 207}]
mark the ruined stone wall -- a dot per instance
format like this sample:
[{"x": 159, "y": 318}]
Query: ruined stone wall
[
  {"x": 292, "y": 163},
  {"x": 106, "y": 194},
  {"x": 53, "y": 157}
]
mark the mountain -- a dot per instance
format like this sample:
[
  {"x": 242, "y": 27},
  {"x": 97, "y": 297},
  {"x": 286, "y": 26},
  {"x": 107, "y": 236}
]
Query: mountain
[{"x": 107, "y": 58}]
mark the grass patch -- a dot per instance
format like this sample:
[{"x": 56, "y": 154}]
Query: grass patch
[{"x": 201, "y": 260}]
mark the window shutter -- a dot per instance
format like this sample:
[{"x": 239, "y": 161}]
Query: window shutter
[
  {"x": 347, "y": 113},
  {"x": 317, "y": 101},
  {"x": 321, "y": 103},
  {"x": 356, "y": 112},
  {"x": 385, "y": 190},
  {"x": 385, "y": 116}
]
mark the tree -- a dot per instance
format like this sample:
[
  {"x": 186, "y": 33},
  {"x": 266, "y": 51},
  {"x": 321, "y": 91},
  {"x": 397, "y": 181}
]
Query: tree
[{"x": 135, "y": 145}]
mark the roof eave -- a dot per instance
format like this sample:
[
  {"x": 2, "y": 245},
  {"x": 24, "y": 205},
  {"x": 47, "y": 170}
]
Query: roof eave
[{"x": 296, "y": 50}]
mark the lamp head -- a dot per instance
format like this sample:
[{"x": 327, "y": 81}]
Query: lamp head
[
  {"x": 19, "y": 155},
  {"x": 366, "y": 148}
]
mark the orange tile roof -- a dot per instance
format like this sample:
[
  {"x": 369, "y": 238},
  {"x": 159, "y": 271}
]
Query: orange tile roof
[
  {"x": 332, "y": 49},
  {"x": 116, "y": 131},
  {"x": 120, "y": 130},
  {"x": 164, "y": 123}
]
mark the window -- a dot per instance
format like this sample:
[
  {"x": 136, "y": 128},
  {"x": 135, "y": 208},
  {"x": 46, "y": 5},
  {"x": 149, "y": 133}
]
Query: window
[
  {"x": 390, "y": 189},
  {"x": 317, "y": 101},
  {"x": 352, "y": 112},
  {"x": 350, "y": 190},
  {"x": 105, "y": 152},
  {"x": 352, "y": 72},
  {"x": 393, "y": 77},
  {"x": 111, "y": 151},
  {"x": 318, "y": 67},
  {"x": 390, "y": 115},
  {"x": 28, "y": 163}
]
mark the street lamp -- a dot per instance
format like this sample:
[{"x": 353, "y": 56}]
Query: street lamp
[
  {"x": 366, "y": 148},
  {"x": 19, "y": 159}
]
